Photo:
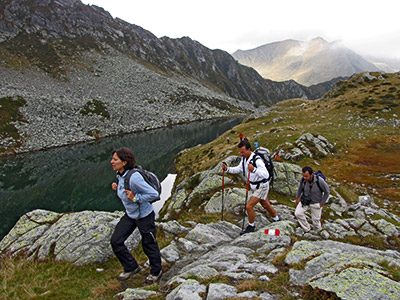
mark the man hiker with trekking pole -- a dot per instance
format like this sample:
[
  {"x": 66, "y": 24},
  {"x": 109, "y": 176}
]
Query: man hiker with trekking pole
[{"x": 257, "y": 178}]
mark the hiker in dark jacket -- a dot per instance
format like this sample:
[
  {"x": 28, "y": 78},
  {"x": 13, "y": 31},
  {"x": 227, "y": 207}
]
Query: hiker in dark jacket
[
  {"x": 312, "y": 194},
  {"x": 138, "y": 213},
  {"x": 258, "y": 182}
]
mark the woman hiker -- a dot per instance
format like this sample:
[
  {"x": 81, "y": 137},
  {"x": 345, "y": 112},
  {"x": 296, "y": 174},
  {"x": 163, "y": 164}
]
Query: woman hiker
[{"x": 138, "y": 213}]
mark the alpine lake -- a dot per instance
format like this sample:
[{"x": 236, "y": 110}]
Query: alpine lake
[{"x": 78, "y": 177}]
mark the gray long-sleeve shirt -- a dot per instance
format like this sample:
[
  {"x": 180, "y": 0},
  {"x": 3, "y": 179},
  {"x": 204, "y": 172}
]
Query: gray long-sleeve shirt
[{"x": 317, "y": 195}]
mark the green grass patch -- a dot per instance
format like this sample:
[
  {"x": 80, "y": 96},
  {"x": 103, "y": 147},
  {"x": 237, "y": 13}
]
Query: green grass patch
[
  {"x": 23, "y": 279},
  {"x": 311, "y": 293},
  {"x": 96, "y": 107},
  {"x": 392, "y": 270},
  {"x": 50, "y": 279},
  {"x": 50, "y": 56},
  {"x": 9, "y": 115},
  {"x": 251, "y": 285},
  {"x": 280, "y": 285},
  {"x": 192, "y": 183},
  {"x": 389, "y": 220}
]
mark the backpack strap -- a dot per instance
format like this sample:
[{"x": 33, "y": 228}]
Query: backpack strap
[
  {"x": 319, "y": 186},
  {"x": 128, "y": 177},
  {"x": 272, "y": 177},
  {"x": 259, "y": 182},
  {"x": 304, "y": 184},
  {"x": 243, "y": 166},
  {"x": 253, "y": 162}
]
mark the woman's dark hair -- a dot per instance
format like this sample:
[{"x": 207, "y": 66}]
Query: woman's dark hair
[
  {"x": 307, "y": 169},
  {"x": 244, "y": 143},
  {"x": 127, "y": 155}
]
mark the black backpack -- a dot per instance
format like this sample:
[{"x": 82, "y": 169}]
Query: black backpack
[
  {"x": 148, "y": 176},
  {"x": 263, "y": 153}
]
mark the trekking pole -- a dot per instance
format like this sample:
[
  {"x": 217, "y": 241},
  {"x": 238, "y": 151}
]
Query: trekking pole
[
  {"x": 222, "y": 208},
  {"x": 245, "y": 202}
]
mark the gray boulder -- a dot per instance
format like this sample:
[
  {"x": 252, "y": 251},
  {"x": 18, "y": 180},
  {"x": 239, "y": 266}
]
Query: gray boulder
[
  {"x": 198, "y": 271},
  {"x": 217, "y": 291},
  {"x": 309, "y": 145},
  {"x": 229, "y": 254},
  {"x": 267, "y": 242},
  {"x": 178, "y": 200},
  {"x": 172, "y": 228},
  {"x": 386, "y": 228},
  {"x": 80, "y": 237},
  {"x": 233, "y": 197},
  {"x": 208, "y": 184},
  {"x": 170, "y": 253},
  {"x": 356, "y": 283},
  {"x": 287, "y": 178},
  {"x": 138, "y": 293},
  {"x": 352, "y": 272},
  {"x": 189, "y": 290},
  {"x": 29, "y": 228},
  {"x": 213, "y": 233},
  {"x": 209, "y": 180}
]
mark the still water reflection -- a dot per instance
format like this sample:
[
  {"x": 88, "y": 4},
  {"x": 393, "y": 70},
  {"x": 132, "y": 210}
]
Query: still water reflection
[{"x": 78, "y": 177}]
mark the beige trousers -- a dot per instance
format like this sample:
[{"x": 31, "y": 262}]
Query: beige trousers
[{"x": 316, "y": 211}]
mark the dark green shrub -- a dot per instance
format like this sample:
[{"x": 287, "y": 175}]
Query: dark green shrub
[{"x": 95, "y": 107}]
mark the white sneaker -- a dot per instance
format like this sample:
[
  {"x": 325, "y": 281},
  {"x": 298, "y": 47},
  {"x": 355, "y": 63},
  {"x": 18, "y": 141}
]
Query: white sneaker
[
  {"x": 153, "y": 278},
  {"x": 127, "y": 275}
]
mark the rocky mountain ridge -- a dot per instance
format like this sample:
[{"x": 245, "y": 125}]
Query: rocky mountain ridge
[
  {"x": 65, "y": 28},
  {"x": 72, "y": 73},
  {"x": 307, "y": 62}
]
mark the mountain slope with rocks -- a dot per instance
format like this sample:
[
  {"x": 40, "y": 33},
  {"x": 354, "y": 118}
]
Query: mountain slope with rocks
[
  {"x": 121, "y": 96},
  {"x": 51, "y": 35},
  {"x": 307, "y": 62},
  {"x": 70, "y": 73},
  {"x": 352, "y": 138}
]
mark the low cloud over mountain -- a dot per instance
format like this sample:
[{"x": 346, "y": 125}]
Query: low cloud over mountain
[{"x": 310, "y": 62}]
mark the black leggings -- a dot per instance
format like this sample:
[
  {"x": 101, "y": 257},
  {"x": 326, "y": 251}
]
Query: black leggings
[{"x": 147, "y": 229}]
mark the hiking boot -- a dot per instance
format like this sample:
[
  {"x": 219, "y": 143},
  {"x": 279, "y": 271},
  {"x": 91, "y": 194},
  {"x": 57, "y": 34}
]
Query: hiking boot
[
  {"x": 276, "y": 220},
  {"x": 153, "y": 278},
  {"x": 127, "y": 275},
  {"x": 248, "y": 229}
]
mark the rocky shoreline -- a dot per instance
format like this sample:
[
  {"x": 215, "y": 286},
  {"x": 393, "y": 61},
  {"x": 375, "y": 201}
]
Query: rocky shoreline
[{"x": 112, "y": 95}]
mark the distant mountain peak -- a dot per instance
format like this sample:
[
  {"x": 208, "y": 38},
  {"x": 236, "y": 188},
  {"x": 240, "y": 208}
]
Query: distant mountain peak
[
  {"x": 319, "y": 39},
  {"x": 307, "y": 62}
]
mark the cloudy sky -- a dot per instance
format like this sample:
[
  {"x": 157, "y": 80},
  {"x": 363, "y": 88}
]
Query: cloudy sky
[{"x": 368, "y": 27}]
